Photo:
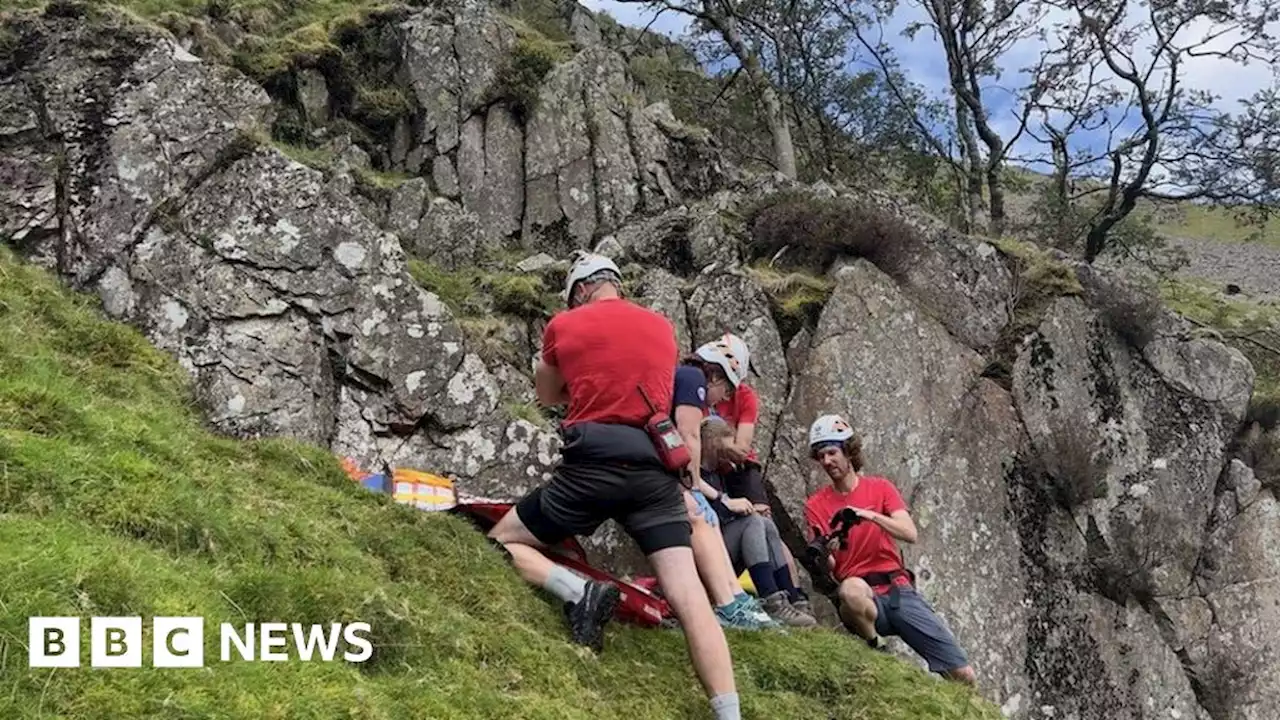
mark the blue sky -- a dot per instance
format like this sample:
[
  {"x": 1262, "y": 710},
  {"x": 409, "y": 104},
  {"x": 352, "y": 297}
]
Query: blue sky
[{"x": 923, "y": 61}]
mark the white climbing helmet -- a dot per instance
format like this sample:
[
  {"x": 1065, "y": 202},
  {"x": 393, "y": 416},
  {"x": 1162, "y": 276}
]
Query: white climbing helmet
[
  {"x": 829, "y": 428},
  {"x": 732, "y": 357},
  {"x": 585, "y": 265},
  {"x": 739, "y": 349}
]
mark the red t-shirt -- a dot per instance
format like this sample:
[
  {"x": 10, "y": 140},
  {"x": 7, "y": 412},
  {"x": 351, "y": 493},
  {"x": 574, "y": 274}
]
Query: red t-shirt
[
  {"x": 743, "y": 407},
  {"x": 605, "y": 350},
  {"x": 871, "y": 548}
]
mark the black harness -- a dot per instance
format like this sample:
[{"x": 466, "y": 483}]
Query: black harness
[{"x": 816, "y": 554}]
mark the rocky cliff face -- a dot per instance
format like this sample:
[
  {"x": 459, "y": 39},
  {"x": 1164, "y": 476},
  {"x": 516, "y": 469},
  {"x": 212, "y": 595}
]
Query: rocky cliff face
[{"x": 1085, "y": 527}]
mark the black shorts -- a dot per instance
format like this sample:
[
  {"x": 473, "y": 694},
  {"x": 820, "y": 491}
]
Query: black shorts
[{"x": 645, "y": 499}]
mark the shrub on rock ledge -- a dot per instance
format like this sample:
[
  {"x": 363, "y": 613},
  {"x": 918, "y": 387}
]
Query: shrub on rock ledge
[{"x": 798, "y": 229}]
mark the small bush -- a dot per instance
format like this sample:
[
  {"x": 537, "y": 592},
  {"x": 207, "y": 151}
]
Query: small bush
[
  {"x": 1079, "y": 471},
  {"x": 806, "y": 232},
  {"x": 520, "y": 78},
  {"x": 1131, "y": 312}
]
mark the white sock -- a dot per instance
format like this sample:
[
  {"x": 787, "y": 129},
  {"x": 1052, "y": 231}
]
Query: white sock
[
  {"x": 566, "y": 584},
  {"x": 726, "y": 707}
]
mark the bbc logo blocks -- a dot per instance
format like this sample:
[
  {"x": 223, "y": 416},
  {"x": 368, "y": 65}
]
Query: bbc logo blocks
[
  {"x": 116, "y": 642},
  {"x": 178, "y": 642}
]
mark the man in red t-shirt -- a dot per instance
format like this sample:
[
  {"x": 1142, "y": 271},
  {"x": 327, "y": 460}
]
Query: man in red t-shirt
[
  {"x": 877, "y": 595},
  {"x": 613, "y": 362}
]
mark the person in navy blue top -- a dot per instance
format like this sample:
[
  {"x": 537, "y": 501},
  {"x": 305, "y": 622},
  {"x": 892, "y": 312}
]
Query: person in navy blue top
[{"x": 734, "y": 606}]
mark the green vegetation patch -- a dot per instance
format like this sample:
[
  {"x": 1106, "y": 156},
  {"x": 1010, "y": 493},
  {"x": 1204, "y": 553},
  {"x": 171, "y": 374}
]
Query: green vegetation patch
[
  {"x": 532, "y": 57},
  {"x": 1252, "y": 328},
  {"x": 473, "y": 291},
  {"x": 796, "y": 298},
  {"x": 1039, "y": 279},
  {"x": 115, "y": 500}
]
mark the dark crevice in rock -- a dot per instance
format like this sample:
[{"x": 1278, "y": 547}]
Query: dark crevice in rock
[
  {"x": 1106, "y": 390},
  {"x": 593, "y": 142},
  {"x": 458, "y": 96},
  {"x": 1203, "y": 567},
  {"x": 1198, "y": 676},
  {"x": 241, "y": 147},
  {"x": 633, "y": 144},
  {"x": 525, "y": 180},
  {"x": 49, "y": 135},
  {"x": 336, "y": 359},
  {"x": 1072, "y": 677}
]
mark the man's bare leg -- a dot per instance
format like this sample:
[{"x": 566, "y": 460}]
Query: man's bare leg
[
  {"x": 525, "y": 551},
  {"x": 708, "y": 649},
  {"x": 589, "y": 605},
  {"x": 858, "y": 607}
]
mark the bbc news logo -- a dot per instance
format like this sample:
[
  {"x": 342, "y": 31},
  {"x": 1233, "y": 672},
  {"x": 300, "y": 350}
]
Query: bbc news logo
[{"x": 178, "y": 642}]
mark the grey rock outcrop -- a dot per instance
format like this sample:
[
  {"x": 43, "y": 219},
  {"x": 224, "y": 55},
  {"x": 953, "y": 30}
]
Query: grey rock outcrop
[
  {"x": 595, "y": 157},
  {"x": 292, "y": 311},
  {"x": 1149, "y": 455}
]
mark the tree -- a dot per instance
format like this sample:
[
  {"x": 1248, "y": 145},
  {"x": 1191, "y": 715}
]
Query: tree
[
  {"x": 723, "y": 18},
  {"x": 974, "y": 38},
  {"x": 842, "y": 123},
  {"x": 1116, "y": 107}
]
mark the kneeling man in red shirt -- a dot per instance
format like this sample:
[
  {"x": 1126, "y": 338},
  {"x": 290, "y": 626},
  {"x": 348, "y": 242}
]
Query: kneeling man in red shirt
[{"x": 877, "y": 595}]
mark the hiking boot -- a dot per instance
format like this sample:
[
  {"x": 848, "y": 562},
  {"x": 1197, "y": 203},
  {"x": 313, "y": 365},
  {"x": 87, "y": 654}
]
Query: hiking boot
[
  {"x": 804, "y": 608},
  {"x": 588, "y": 616},
  {"x": 879, "y": 644},
  {"x": 780, "y": 609}
]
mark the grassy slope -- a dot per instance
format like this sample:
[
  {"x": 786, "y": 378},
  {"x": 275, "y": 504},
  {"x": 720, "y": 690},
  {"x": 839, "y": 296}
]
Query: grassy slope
[
  {"x": 1235, "y": 319},
  {"x": 1200, "y": 222},
  {"x": 1181, "y": 220},
  {"x": 115, "y": 501}
]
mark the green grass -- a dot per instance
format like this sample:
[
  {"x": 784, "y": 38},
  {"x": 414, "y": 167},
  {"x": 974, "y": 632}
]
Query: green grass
[
  {"x": 1037, "y": 270},
  {"x": 1209, "y": 223},
  {"x": 114, "y": 500},
  {"x": 1236, "y": 320},
  {"x": 796, "y": 298},
  {"x": 473, "y": 291}
]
